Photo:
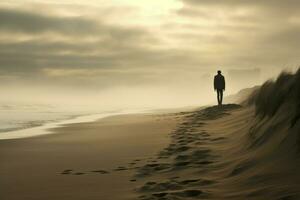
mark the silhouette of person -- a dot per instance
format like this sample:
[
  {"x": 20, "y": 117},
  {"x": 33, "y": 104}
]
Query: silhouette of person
[{"x": 219, "y": 85}]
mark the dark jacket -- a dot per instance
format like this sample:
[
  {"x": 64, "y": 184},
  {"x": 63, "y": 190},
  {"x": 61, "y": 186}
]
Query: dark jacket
[{"x": 219, "y": 82}]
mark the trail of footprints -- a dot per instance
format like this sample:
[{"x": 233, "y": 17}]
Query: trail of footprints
[
  {"x": 131, "y": 166},
  {"x": 185, "y": 155},
  {"x": 174, "y": 188},
  {"x": 185, "y": 152}
]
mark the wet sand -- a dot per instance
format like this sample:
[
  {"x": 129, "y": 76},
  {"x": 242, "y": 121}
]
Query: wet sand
[{"x": 88, "y": 161}]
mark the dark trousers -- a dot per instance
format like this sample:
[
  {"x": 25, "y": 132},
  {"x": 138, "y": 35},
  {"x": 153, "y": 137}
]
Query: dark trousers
[{"x": 220, "y": 96}]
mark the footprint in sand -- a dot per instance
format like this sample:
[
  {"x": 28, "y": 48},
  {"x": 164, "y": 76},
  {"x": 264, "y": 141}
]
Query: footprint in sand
[
  {"x": 78, "y": 173},
  {"x": 185, "y": 194},
  {"x": 153, "y": 168},
  {"x": 189, "y": 193},
  {"x": 174, "y": 189},
  {"x": 121, "y": 168},
  {"x": 218, "y": 139},
  {"x": 67, "y": 171},
  {"x": 100, "y": 171}
]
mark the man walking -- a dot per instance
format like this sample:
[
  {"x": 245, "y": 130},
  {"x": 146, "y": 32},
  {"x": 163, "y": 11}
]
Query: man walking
[{"x": 219, "y": 85}]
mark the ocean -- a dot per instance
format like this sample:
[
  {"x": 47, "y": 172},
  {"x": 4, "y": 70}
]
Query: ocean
[{"x": 27, "y": 120}]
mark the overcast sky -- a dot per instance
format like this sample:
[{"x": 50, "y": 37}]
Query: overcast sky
[{"x": 164, "y": 43}]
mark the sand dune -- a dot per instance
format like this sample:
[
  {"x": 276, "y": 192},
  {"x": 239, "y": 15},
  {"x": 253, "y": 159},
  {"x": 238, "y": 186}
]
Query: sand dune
[
  {"x": 233, "y": 152},
  {"x": 225, "y": 154}
]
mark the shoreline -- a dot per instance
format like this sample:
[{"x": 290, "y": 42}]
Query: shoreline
[
  {"x": 85, "y": 160},
  {"x": 45, "y": 129}
]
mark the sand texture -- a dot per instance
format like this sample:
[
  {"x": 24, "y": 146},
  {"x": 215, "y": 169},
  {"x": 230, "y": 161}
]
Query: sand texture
[{"x": 87, "y": 161}]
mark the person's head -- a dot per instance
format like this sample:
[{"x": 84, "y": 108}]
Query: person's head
[{"x": 219, "y": 72}]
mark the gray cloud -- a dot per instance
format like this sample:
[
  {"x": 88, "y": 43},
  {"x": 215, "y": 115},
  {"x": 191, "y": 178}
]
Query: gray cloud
[
  {"x": 113, "y": 47},
  {"x": 256, "y": 32},
  {"x": 256, "y": 3},
  {"x": 110, "y": 46},
  {"x": 18, "y": 21},
  {"x": 242, "y": 11},
  {"x": 92, "y": 50},
  {"x": 22, "y": 21}
]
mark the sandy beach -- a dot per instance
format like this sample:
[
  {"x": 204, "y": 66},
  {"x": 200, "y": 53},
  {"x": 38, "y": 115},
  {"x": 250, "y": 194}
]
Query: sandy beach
[
  {"x": 212, "y": 153},
  {"x": 82, "y": 161}
]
